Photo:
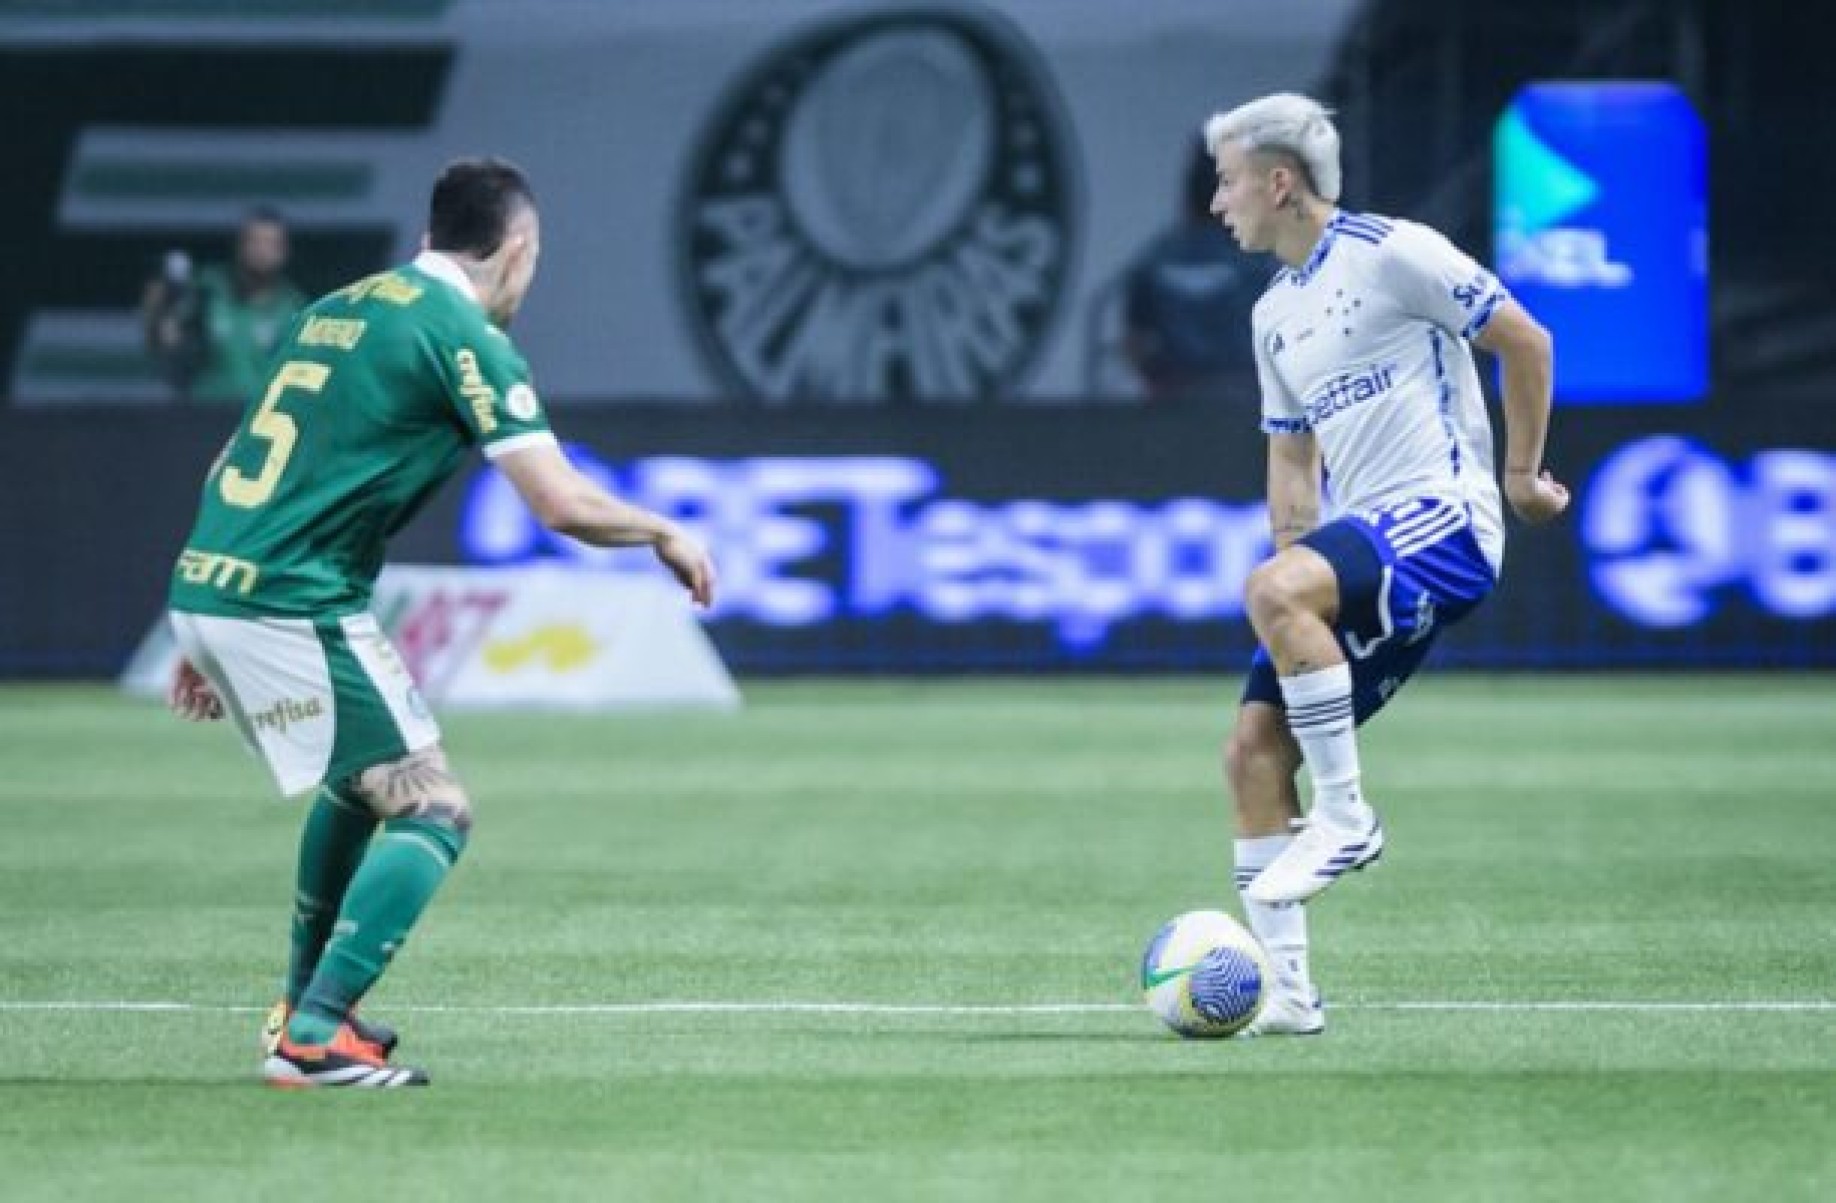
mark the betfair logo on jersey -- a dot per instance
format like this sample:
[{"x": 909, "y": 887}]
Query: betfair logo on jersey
[
  {"x": 285, "y": 713},
  {"x": 885, "y": 206},
  {"x": 215, "y": 571},
  {"x": 477, "y": 390},
  {"x": 1345, "y": 391}
]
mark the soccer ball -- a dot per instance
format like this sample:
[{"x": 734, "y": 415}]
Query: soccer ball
[{"x": 1204, "y": 975}]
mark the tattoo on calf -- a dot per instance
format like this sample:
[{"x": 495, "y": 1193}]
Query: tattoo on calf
[
  {"x": 418, "y": 786},
  {"x": 411, "y": 780}
]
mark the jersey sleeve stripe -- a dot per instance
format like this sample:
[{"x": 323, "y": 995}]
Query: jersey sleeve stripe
[
  {"x": 1285, "y": 426},
  {"x": 1484, "y": 315},
  {"x": 518, "y": 442},
  {"x": 1370, "y": 229}
]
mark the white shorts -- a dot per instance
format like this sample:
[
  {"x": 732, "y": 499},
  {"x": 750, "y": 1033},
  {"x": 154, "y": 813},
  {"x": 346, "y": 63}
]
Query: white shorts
[{"x": 317, "y": 699}]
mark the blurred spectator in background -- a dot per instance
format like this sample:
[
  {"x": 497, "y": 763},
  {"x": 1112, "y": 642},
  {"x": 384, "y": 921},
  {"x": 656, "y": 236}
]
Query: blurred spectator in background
[
  {"x": 213, "y": 327},
  {"x": 1188, "y": 299}
]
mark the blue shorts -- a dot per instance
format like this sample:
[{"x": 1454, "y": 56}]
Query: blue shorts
[{"x": 1405, "y": 572}]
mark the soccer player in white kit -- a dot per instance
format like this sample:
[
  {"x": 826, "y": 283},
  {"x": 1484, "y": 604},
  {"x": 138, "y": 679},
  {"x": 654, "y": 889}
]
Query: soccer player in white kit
[{"x": 1362, "y": 359}]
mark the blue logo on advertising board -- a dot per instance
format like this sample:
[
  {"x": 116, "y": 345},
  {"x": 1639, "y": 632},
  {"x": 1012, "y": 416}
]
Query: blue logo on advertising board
[
  {"x": 1674, "y": 530},
  {"x": 1601, "y": 230},
  {"x": 805, "y": 540}
]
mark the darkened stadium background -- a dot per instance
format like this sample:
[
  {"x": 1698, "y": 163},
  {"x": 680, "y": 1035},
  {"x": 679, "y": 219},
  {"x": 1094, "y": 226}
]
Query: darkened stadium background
[{"x": 1021, "y": 506}]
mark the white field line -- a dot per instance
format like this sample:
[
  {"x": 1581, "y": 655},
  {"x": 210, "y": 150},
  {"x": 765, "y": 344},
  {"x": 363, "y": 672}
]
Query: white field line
[{"x": 1809, "y": 1005}]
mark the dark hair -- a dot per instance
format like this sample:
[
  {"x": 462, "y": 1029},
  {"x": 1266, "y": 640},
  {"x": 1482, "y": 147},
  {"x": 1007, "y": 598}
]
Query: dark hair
[
  {"x": 262, "y": 215},
  {"x": 473, "y": 202}
]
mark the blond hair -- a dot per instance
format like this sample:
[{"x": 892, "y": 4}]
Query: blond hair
[{"x": 1286, "y": 123}]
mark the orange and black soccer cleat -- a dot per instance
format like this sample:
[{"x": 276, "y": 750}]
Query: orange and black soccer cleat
[
  {"x": 345, "y": 1061},
  {"x": 381, "y": 1038}
]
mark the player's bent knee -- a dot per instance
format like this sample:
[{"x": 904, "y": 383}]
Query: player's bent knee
[
  {"x": 420, "y": 785},
  {"x": 1263, "y": 594},
  {"x": 1298, "y": 581},
  {"x": 1275, "y": 591}
]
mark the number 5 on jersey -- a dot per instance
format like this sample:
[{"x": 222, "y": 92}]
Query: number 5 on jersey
[{"x": 278, "y": 429}]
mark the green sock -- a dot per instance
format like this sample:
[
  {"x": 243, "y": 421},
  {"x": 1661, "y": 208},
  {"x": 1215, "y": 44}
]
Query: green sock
[
  {"x": 331, "y": 847},
  {"x": 397, "y": 879}
]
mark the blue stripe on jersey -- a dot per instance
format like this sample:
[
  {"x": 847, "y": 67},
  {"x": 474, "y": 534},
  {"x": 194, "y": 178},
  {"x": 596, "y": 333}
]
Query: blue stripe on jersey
[
  {"x": 1425, "y": 515},
  {"x": 1362, "y": 226},
  {"x": 1484, "y": 315},
  {"x": 1416, "y": 539},
  {"x": 1363, "y": 223},
  {"x": 1444, "y": 385},
  {"x": 1285, "y": 426},
  {"x": 1306, "y": 270}
]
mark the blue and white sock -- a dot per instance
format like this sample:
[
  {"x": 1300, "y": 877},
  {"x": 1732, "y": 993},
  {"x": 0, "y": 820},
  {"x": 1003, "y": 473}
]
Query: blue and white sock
[{"x": 1319, "y": 707}]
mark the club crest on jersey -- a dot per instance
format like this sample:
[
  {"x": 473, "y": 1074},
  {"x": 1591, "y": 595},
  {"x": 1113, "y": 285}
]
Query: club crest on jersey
[
  {"x": 521, "y": 402},
  {"x": 1424, "y": 619},
  {"x": 1349, "y": 389},
  {"x": 883, "y": 206}
]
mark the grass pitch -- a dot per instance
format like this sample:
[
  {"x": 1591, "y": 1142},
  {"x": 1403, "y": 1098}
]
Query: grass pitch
[{"x": 1598, "y": 961}]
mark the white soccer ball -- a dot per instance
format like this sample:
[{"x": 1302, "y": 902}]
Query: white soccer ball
[{"x": 1204, "y": 975}]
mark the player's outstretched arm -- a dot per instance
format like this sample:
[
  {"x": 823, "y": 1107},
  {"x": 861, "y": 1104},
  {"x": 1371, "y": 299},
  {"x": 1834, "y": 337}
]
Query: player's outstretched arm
[
  {"x": 569, "y": 503},
  {"x": 1527, "y": 353}
]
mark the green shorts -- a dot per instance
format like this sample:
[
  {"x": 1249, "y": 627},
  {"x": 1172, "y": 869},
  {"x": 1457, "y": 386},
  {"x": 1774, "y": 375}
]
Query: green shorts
[{"x": 317, "y": 699}]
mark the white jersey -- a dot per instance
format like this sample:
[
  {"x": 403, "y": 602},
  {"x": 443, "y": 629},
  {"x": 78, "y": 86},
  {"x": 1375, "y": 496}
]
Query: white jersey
[{"x": 1364, "y": 346}]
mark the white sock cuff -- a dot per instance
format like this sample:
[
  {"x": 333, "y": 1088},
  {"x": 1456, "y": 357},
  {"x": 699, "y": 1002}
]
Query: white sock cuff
[
  {"x": 1254, "y": 854},
  {"x": 1256, "y": 851},
  {"x": 1320, "y": 685}
]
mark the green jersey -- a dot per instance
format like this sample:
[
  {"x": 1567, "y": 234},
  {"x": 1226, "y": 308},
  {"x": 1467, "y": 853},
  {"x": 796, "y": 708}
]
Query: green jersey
[{"x": 372, "y": 401}]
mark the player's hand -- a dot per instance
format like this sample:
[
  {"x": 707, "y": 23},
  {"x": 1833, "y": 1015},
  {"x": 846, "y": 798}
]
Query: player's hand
[
  {"x": 1536, "y": 499},
  {"x": 191, "y": 696},
  {"x": 690, "y": 563}
]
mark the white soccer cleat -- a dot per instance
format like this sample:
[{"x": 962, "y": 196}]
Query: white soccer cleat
[
  {"x": 1288, "y": 1011},
  {"x": 1319, "y": 855}
]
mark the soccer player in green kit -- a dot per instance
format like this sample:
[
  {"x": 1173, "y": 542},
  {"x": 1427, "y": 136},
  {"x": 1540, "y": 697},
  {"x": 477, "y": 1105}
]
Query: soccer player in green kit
[{"x": 372, "y": 402}]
